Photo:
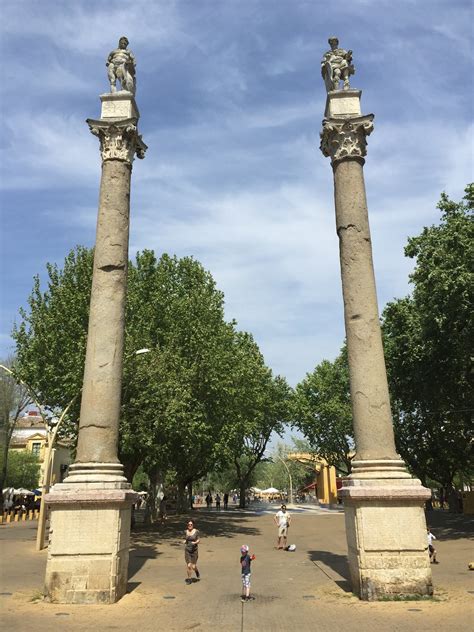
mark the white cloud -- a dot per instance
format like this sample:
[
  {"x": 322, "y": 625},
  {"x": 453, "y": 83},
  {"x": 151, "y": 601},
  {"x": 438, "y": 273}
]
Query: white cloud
[{"x": 231, "y": 101}]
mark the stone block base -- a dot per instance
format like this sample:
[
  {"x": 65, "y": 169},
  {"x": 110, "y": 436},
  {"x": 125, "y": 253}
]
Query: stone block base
[
  {"x": 386, "y": 537},
  {"x": 89, "y": 545}
]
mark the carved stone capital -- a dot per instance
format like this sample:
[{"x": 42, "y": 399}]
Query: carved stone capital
[
  {"x": 119, "y": 140},
  {"x": 346, "y": 138}
]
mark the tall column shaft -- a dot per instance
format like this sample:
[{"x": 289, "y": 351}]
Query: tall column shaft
[
  {"x": 383, "y": 505},
  {"x": 369, "y": 389},
  {"x": 91, "y": 510},
  {"x": 100, "y": 406}
]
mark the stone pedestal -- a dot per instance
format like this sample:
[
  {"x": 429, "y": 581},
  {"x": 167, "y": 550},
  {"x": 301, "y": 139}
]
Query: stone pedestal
[
  {"x": 91, "y": 509},
  {"x": 89, "y": 544},
  {"x": 386, "y": 531},
  {"x": 385, "y": 523}
]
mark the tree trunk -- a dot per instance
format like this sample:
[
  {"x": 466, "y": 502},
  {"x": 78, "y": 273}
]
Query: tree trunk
[
  {"x": 243, "y": 490},
  {"x": 130, "y": 467},
  {"x": 190, "y": 494},
  {"x": 151, "y": 509},
  {"x": 181, "y": 505},
  {"x": 4, "y": 446},
  {"x": 453, "y": 497},
  {"x": 3, "y": 474}
]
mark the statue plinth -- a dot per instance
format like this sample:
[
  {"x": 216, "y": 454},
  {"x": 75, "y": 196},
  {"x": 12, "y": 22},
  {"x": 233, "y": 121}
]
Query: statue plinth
[
  {"x": 118, "y": 105},
  {"x": 383, "y": 504},
  {"x": 343, "y": 103},
  {"x": 91, "y": 510}
]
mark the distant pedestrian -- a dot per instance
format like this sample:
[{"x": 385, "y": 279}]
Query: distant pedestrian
[
  {"x": 245, "y": 562},
  {"x": 283, "y": 519},
  {"x": 226, "y": 500},
  {"x": 209, "y": 500},
  {"x": 218, "y": 502},
  {"x": 191, "y": 551},
  {"x": 432, "y": 551}
]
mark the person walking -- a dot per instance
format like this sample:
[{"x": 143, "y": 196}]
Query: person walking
[
  {"x": 283, "y": 519},
  {"x": 209, "y": 500},
  {"x": 218, "y": 502},
  {"x": 226, "y": 500},
  {"x": 245, "y": 561},
  {"x": 191, "y": 551}
]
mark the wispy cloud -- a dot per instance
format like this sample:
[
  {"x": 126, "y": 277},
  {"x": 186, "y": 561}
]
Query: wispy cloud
[{"x": 232, "y": 100}]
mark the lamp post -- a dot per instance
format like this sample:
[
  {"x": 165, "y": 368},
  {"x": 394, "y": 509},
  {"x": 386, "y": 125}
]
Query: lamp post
[
  {"x": 51, "y": 434},
  {"x": 52, "y": 428},
  {"x": 289, "y": 477}
]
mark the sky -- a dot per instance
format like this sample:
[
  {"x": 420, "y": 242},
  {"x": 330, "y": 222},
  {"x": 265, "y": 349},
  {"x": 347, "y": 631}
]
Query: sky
[{"x": 231, "y": 102}]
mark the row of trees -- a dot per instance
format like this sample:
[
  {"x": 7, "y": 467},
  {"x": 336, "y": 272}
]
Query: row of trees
[
  {"x": 200, "y": 398},
  {"x": 428, "y": 348}
]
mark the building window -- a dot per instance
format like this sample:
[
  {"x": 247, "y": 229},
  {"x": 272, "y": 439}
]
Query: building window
[{"x": 35, "y": 448}]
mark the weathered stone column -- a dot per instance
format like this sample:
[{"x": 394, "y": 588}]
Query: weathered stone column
[
  {"x": 100, "y": 407},
  {"x": 385, "y": 522},
  {"x": 91, "y": 509}
]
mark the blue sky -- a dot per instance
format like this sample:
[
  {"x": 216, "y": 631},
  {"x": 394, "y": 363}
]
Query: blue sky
[{"x": 231, "y": 103}]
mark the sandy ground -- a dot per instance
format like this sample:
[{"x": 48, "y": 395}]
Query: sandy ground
[{"x": 304, "y": 590}]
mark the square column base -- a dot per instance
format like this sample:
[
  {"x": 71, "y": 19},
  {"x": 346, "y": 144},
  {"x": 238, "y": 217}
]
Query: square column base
[
  {"x": 386, "y": 538},
  {"x": 89, "y": 545}
]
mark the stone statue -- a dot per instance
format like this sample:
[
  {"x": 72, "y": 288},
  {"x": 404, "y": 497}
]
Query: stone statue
[
  {"x": 121, "y": 65},
  {"x": 336, "y": 66}
]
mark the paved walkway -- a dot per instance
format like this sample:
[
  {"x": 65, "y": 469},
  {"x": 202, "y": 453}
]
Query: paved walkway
[{"x": 304, "y": 590}]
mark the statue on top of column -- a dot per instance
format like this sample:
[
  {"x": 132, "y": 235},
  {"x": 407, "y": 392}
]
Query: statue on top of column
[
  {"x": 336, "y": 66},
  {"x": 121, "y": 65}
]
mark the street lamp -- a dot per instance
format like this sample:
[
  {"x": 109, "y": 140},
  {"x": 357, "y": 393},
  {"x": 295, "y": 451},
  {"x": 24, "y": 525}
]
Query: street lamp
[
  {"x": 52, "y": 426},
  {"x": 289, "y": 477}
]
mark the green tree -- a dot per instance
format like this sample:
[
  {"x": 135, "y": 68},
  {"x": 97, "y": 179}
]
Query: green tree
[
  {"x": 52, "y": 335},
  {"x": 22, "y": 470},
  {"x": 322, "y": 411},
  {"x": 175, "y": 403},
  {"x": 258, "y": 406},
  {"x": 175, "y": 397},
  {"x": 13, "y": 400},
  {"x": 428, "y": 346}
]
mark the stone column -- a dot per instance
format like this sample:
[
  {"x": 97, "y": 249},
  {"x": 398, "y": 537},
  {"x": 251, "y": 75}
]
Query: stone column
[
  {"x": 91, "y": 510},
  {"x": 385, "y": 522}
]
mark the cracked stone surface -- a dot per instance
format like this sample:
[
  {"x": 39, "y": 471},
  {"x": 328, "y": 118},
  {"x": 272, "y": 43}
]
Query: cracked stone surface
[{"x": 100, "y": 407}]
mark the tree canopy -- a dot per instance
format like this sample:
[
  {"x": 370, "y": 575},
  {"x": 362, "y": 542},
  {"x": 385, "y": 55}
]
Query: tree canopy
[
  {"x": 198, "y": 394},
  {"x": 428, "y": 345},
  {"x": 322, "y": 411}
]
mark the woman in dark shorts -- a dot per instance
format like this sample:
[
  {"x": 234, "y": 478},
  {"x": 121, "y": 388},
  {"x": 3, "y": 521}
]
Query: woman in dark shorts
[{"x": 191, "y": 551}]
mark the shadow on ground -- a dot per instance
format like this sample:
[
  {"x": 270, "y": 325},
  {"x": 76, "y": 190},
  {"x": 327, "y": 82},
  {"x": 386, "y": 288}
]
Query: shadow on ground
[
  {"x": 448, "y": 526},
  {"x": 226, "y": 525},
  {"x": 145, "y": 539},
  {"x": 139, "y": 554},
  {"x": 336, "y": 563}
]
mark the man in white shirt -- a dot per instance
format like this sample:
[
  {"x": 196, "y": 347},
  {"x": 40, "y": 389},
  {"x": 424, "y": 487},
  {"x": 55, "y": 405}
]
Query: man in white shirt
[{"x": 283, "y": 519}]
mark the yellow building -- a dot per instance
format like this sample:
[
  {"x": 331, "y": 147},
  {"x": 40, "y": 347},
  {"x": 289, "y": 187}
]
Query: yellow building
[{"x": 30, "y": 434}]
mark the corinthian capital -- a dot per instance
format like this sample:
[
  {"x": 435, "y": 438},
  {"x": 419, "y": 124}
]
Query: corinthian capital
[
  {"x": 346, "y": 138},
  {"x": 119, "y": 140}
]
